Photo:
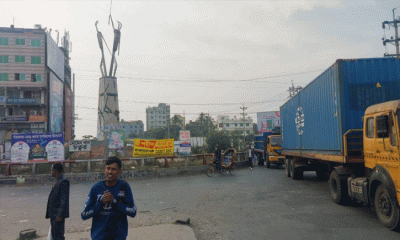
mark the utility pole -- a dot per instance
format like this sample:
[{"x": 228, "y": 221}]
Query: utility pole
[
  {"x": 244, "y": 127},
  {"x": 294, "y": 90},
  {"x": 396, "y": 37}
]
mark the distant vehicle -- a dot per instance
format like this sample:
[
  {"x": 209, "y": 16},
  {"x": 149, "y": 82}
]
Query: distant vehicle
[
  {"x": 345, "y": 126},
  {"x": 268, "y": 148}
]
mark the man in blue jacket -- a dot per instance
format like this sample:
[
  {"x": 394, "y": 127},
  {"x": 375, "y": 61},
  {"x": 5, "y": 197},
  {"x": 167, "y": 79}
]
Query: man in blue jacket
[{"x": 110, "y": 202}]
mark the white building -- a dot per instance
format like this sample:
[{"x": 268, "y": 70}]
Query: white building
[
  {"x": 158, "y": 117},
  {"x": 235, "y": 124}
]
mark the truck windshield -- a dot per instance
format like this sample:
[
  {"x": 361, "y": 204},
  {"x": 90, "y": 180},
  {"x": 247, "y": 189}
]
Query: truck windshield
[{"x": 276, "y": 141}]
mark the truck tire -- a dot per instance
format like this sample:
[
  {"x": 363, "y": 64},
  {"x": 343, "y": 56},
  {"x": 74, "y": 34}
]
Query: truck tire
[
  {"x": 338, "y": 188},
  {"x": 268, "y": 163},
  {"x": 295, "y": 173},
  {"x": 287, "y": 167},
  {"x": 387, "y": 208}
]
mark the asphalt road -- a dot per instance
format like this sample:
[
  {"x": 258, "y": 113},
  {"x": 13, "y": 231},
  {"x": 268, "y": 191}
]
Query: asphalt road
[{"x": 254, "y": 204}]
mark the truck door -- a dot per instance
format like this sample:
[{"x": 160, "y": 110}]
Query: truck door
[{"x": 387, "y": 143}]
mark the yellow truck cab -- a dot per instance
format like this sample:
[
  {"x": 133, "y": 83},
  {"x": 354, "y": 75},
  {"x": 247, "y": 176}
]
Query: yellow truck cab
[
  {"x": 274, "y": 151},
  {"x": 381, "y": 157}
]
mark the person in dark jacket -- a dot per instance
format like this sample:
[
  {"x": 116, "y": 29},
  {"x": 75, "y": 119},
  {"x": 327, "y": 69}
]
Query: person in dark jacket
[{"x": 58, "y": 203}]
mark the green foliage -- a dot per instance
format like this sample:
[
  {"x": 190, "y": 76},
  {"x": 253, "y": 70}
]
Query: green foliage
[
  {"x": 202, "y": 127},
  {"x": 156, "y": 133},
  {"x": 218, "y": 138}
]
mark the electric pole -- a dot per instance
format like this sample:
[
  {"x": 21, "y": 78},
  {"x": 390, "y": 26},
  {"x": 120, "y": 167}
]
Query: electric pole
[
  {"x": 294, "y": 90},
  {"x": 396, "y": 37},
  {"x": 244, "y": 127}
]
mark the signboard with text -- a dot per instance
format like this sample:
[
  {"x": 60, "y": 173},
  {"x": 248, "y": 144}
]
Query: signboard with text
[
  {"x": 33, "y": 147},
  {"x": 153, "y": 148},
  {"x": 80, "y": 146}
]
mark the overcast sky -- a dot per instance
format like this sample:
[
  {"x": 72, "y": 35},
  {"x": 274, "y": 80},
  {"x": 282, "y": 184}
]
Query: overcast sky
[{"x": 207, "y": 56}]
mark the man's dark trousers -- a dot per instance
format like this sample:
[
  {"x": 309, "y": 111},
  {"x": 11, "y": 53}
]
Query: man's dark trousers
[{"x": 57, "y": 229}]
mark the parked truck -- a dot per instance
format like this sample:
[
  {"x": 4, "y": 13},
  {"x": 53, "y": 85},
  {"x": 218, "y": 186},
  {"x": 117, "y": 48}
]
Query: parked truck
[
  {"x": 268, "y": 148},
  {"x": 345, "y": 125}
]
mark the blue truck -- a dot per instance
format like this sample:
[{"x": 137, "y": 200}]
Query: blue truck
[{"x": 268, "y": 148}]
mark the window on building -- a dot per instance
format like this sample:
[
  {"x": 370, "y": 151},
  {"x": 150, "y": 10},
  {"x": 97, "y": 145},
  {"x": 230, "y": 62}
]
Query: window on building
[
  {"x": 36, "y": 43},
  {"x": 3, "y": 76},
  {"x": 19, "y": 59},
  {"x": 36, "y": 77},
  {"x": 3, "y": 59},
  {"x": 19, "y": 41},
  {"x": 27, "y": 94},
  {"x": 227, "y": 125},
  {"x": 235, "y": 124},
  {"x": 241, "y": 124},
  {"x": 3, "y": 41},
  {"x": 10, "y": 112},
  {"x": 36, "y": 60},
  {"x": 247, "y": 124},
  {"x": 13, "y": 93},
  {"x": 19, "y": 76}
]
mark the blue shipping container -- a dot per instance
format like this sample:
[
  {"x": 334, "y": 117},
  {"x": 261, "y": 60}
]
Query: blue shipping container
[{"x": 316, "y": 118}]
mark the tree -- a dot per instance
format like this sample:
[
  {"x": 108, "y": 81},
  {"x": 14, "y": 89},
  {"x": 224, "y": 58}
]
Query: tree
[
  {"x": 202, "y": 127},
  {"x": 156, "y": 133},
  {"x": 176, "y": 121},
  {"x": 220, "y": 139}
]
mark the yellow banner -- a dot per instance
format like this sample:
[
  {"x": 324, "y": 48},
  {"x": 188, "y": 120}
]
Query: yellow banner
[{"x": 153, "y": 148}]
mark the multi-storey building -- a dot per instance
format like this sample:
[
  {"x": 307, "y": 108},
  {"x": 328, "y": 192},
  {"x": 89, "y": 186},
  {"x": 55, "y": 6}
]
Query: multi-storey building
[
  {"x": 158, "y": 117},
  {"x": 235, "y": 124},
  {"x": 131, "y": 128},
  {"x": 35, "y": 83}
]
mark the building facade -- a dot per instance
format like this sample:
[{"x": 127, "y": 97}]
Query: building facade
[
  {"x": 158, "y": 117},
  {"x": 35, "y": 83},
  {"x": 224, "y": 122},
  {"x": 131, "y": 128}
]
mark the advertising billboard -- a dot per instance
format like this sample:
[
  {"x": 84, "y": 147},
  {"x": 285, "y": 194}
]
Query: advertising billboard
[
  {"x": 55, "y": 58},
  {"x": 56, "y": 104},
  {"x": 266, "y": 121},
  {"x": 33, "y": 147},
  {"x": 153, "y": 148},
  {"x": 116, "y": 140},
  {"x": 68, "y": 114}
]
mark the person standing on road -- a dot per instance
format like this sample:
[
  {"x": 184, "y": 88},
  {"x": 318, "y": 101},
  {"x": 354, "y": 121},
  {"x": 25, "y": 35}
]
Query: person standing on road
[
  {"x": 110, "y": 202},
  {"x": 250, "y": 158},
  {"x": 58, "y": 203}
]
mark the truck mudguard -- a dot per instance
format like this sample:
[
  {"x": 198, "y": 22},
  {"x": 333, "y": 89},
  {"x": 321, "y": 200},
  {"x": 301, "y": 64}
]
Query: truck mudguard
[{"x": 379, "y": 173}]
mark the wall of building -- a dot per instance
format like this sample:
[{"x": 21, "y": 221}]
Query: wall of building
[{"x": 158, "y": 116}]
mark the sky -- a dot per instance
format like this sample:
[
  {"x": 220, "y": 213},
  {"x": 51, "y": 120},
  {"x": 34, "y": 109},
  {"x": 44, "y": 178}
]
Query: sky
[{"x": 214, "y": 57}]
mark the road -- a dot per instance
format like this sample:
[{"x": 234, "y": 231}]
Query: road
[{"x": 255, "y": 204}]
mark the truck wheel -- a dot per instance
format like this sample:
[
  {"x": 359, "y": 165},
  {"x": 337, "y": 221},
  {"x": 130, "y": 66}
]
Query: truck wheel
[
  {"x": 268, "y": 163},
  {"x": 295, "y": 173},
  {"x": 387, "y": 208},
  {"x": 338, "y": 188},
  {"x": 287, "y": 167}
]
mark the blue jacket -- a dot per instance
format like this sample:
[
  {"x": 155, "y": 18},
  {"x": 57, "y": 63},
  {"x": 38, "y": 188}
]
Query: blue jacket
[{"x": 110, "y": 221}]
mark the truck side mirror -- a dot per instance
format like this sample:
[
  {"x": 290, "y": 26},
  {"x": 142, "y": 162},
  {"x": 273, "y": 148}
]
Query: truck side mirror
[{"x": 382, "y": 126}]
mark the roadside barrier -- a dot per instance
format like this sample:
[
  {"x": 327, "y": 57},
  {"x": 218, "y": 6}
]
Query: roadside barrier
[{"x": 93, "y": 170}]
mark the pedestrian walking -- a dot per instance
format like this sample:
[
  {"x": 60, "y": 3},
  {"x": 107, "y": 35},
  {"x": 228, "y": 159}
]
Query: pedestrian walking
[
  {"x": 110, "y": 202},
  {"x": 250, "y": 157},
  {"x": 58, "y": 203}
]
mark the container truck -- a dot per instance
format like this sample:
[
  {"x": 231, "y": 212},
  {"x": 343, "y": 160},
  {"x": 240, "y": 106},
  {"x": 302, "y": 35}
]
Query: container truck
[
  {"x": 345, "y": 126},
  {"x": 268, "y": 148}
]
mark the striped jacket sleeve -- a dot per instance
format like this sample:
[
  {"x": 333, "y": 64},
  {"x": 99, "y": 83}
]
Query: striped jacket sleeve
[
  {"x": 92, "y": 205},
  {"x": 128, "y": 205}
]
